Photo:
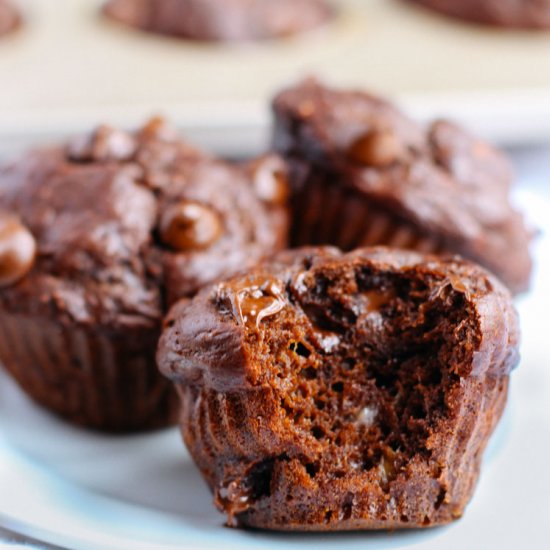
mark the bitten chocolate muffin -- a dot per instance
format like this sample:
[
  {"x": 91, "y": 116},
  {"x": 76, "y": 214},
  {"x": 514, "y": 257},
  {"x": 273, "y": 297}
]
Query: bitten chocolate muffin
[
  {"x": 221, "y": 20},
  {"x": 326, "y": 391},
  {"x": 363, "y": 174},
  {"x": 97, "y": 239},
  {"x": 9, "y": 17},
  {"x": 527, "y": 14}
]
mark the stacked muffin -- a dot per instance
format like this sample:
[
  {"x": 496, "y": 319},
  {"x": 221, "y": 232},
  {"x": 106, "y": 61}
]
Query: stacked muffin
[{"x": 319, "y": 389}]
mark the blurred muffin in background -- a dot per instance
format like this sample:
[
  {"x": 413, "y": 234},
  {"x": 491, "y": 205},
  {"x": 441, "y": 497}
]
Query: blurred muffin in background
[
  {"x": 527, "y": 14},
  {"x": 9, "y": 17},
  {"x": 221, "y": 20},
  {"x": 97, "y": 239},
  {"x": 362, "y": 173}
]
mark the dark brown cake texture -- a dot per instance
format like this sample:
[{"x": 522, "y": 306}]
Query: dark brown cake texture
[
  {"x": 522, "y": 14},
  {"x": 364, "y": 174},
  {"x": 97, "y": 239},
  {"x": 330, "y": 391},
  {"x": 10, "y": 18},
  {"x": 221, "y": 20}
]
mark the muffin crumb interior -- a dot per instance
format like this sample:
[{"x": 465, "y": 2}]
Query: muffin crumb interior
[{"x": 363, "y": 362}]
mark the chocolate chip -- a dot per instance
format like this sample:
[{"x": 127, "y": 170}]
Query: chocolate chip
[
  {"x": 17, "y": 250},
  {"x": 103, "y": 144},
  {"x": 270, "y": 180},
  {"x": 378, "y": 148},
  {"x": 189, "y": 225}
]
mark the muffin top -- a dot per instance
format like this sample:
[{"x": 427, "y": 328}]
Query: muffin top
[
  {"x": 224, "y": 20},
  {"x": 437, "y": 178},
  {"x": 9, "y": 17},
  {"x": 117, "y": 225}
]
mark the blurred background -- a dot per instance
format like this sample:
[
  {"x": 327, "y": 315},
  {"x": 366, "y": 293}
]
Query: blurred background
[{"x": 67, "y": 68}]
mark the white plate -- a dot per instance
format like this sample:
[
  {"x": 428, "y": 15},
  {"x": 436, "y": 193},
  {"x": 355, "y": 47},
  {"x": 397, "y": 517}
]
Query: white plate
[
  {"x": 86, "y": 491},
  {"x": 68, "y": 69}
]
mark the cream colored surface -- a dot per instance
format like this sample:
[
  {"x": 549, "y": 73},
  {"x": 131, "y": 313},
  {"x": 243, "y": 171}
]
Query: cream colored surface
[{"x": 68, "y": 68}]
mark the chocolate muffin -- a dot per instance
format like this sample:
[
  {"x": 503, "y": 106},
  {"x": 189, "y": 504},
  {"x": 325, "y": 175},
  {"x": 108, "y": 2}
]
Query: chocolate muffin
[
  {"x": 330, "y": 391},
  {"x": 526, "y": 14},
  {"x": 221, "y": 20},
  {"x": 97, "y": 239},
  {"x": 364, "y": 174},
  {"x": 9, "y": 17}
]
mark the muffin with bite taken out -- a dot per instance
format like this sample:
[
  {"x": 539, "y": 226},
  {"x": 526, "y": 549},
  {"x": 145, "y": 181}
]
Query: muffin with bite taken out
[{"x": 221, "y": 20}]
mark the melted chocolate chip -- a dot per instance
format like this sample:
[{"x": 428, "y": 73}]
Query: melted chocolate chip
[
  {"x": 375, "y": 300},
  {"x": 234, "y": 498},
  {"x": 17, "y": 250},
  {"x": 256, "y": 298},
  {"x": 189, "y": 225},
  {"x": 459, "y": 286},
  {"x": 270, "y": 180},
  {"x": 376, "y": 148},
  {"x": 102, "y": 145}
]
